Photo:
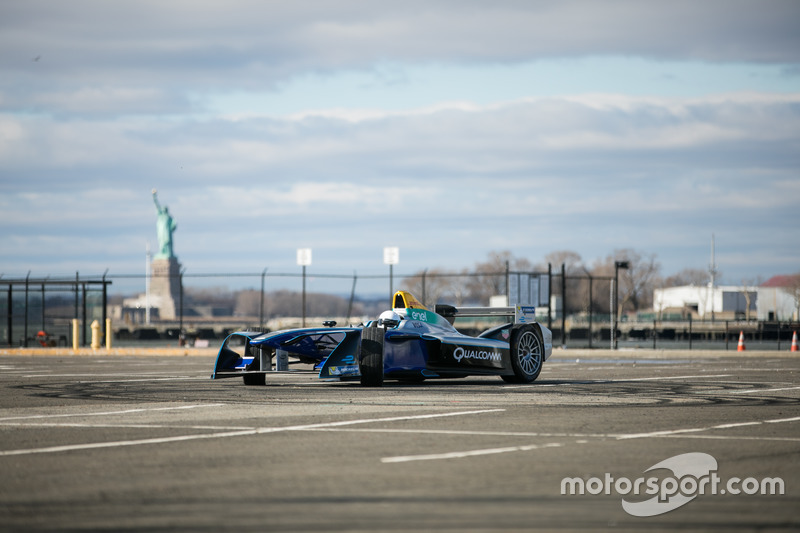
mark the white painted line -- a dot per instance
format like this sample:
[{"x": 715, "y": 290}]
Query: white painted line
[
  {"x": 753, "y": 391},
  {"x": 781, "y": 420},
  {"x": 737, "y": 425},
  {"x": 676, "y": 377},
  {"x": 464, "y": 432},
  {"x": 601, "y": 381},
  {"x": 731, "y": 437},
  {"x": 120, "y": 426},
  {"x": 116, "y": 444},
  {"x": 114, "y": 374},
  {"x": 107, "y": 413},
  {"x": 667, "y": 433},
  {"x": 176, "y": 378},
  {"x": 468, "y": 453},
  {"x": 254, "y": 431}
]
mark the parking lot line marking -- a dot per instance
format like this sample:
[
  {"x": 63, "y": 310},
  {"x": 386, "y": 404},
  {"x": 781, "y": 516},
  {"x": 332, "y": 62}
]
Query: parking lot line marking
[
  {"x": 671, "y": 432},
  {"x": 781, "y": 420},
  {"x": 751, "y": 391},
  {"x": 148, "y": 380},
  {"x": 601, "y": 381},
  {"x": 113, "y": 374},
  {"x": 736, "y": 437},
  {"x": 119, "y": 443},
  {"x": 465, "y": 432},
  {"x": 227, "y": 434},
  {"x": 467, "y": 453},
  {"x": 120, "y": 426},
  {"x": 107, "y": 413}
]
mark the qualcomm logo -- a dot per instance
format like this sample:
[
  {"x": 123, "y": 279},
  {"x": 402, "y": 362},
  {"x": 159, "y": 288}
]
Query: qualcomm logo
[
  {"x": 484, "y": 355},
  {"x": 693, "y": 474}
]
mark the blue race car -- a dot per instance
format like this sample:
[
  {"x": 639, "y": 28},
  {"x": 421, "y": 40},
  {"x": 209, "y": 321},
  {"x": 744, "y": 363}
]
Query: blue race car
[{"x": 407, "y": 343}]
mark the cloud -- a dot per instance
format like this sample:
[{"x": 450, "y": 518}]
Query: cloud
[
  {"x": 488, "y": 176},
  {"x": 136, "y": 57},
  {"x": 447, "y": 128}
]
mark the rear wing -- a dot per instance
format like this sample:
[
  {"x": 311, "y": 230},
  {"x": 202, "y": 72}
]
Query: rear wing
[{"x": 523, "y": 314}]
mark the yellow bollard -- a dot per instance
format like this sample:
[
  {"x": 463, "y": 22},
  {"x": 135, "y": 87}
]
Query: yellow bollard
[
  {"x": 95, "y": 335},
  {"x": 75, "y": 334},
  {"x": 108, "y": 334}
]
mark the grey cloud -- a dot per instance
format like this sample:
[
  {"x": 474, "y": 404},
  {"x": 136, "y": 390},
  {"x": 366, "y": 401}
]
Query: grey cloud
[{"x": 199, "y": 46}]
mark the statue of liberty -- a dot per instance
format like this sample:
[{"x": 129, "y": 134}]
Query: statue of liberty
[{"x": 165, "y": 226}]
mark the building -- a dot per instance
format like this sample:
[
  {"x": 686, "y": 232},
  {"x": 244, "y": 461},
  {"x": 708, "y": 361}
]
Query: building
[
  {"x": 706, "y": 302},
  {"x": 778, "y": 299}
]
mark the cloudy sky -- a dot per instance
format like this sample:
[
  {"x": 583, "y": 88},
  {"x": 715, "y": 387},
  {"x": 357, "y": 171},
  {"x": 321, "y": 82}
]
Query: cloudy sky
[{"x": 449, "y": 129}]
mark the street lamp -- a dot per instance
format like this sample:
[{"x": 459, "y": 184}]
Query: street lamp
[
  {"x": 617, "y": 265},
  {"x": 590, "y": 306},
  {"x": 261, "y": 304},
  {"x": 304, "y": 259}
]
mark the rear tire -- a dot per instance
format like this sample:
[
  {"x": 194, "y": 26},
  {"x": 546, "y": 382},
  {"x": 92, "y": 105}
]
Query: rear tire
[
  {"x": 371, "y": 358},
  {"x": 527, "y": 354}
]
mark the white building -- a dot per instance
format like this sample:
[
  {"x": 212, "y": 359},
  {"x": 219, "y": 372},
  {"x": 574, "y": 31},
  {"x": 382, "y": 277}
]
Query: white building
[
  {"x": 778, "y": 299},
  {"x": 705, "y": 302}
]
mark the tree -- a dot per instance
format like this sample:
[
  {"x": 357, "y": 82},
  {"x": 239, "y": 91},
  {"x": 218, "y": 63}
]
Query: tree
[
  {"x": 490, "y": 276},
  {"x": 572, "y": 261},
  {"x": 577, "y": 291},
  {"x": 637, "y": 282},
  {"x": 687, "y": 276},
  {"x": 248, "y": 303},
  {"x": 430, "y": 286}
]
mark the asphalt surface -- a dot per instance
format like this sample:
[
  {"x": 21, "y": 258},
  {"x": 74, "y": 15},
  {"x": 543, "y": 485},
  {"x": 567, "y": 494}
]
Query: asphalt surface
[{"x": 126, "y": 443}]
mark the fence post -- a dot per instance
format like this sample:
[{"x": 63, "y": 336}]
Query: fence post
[
  {"x": 10, "y": 315},
  {"x": 563, "y": 305},
  {"x": 655, "y": 333},
  {"x": 25, "y": 339},
  {"x": 75, "y": 334},
  {"x": 727, "y": 335},
  {"x": 549, "y": 296}
]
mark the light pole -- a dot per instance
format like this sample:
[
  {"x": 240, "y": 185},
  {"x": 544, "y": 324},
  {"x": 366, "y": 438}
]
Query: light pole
[
  {"x": 304, "y": 259},
  {"x": 590, "y": 306},
  {"x": 261, "y": 305},
  {"x": 617, "y": 266}
]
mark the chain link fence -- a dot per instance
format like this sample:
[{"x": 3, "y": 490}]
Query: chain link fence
[{"x": 579, "y": 309}]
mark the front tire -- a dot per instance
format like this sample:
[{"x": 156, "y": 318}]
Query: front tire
[
  {"x": 371, "y": 359},
  {"x": 527, "y": 354}
]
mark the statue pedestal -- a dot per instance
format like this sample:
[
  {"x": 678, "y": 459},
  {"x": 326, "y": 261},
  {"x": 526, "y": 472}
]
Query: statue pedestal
[{"x": 165, "y": 286}]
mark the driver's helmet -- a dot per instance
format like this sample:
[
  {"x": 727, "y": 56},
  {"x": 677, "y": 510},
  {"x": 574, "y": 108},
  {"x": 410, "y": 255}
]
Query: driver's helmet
[{"x": 389, "y": 315}]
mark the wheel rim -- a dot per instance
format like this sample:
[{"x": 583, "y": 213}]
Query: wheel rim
[{"x": 529, "y": 353}]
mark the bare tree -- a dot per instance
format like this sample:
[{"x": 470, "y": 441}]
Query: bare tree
[
  {"x": 747, "y": 290},
  {"x": 687, "y": 276},
  {"x": 490, "y": 280},
  {"x": 637, "y": 282},
  {"x": 572, "y": 261},
  {"x": 429, "y": 285},
  {"x": 248, "y": 303},
  {"x": 577, "y": 290}
]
